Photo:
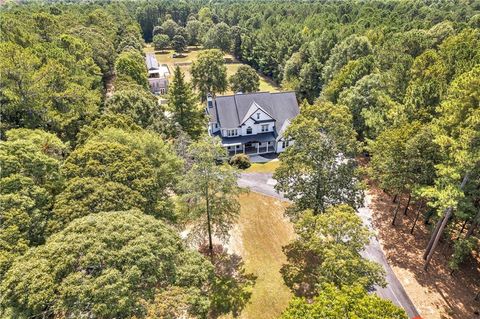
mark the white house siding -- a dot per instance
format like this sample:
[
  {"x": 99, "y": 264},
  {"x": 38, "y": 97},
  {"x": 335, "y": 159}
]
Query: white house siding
[
  {"x": 280, "y": 144},
  {"x": 256, "y": 128}
]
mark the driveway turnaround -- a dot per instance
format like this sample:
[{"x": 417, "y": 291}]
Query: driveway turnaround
[{"x": 264, "y": 183}]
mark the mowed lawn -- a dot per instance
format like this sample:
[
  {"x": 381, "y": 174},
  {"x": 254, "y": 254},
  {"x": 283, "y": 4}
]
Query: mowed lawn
[
  {"x": 259, "y": 236},
  {"x": 165, "y": 57},
  {"x": 267, "y": 167}
]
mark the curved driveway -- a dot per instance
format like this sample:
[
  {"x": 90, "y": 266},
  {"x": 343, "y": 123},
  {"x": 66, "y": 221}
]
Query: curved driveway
[{"x": 264, "y": 183}]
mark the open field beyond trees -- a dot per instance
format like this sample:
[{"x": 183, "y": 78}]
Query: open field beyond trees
[{"x": 166, "y": 57}]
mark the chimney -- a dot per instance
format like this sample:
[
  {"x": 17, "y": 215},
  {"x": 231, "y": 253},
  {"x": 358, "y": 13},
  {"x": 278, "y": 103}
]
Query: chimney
[{"x": 209, "y": 100}]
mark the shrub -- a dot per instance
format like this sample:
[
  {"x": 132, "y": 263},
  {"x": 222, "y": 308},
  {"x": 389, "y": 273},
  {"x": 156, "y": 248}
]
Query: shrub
[{"x": 241, "y": 161}]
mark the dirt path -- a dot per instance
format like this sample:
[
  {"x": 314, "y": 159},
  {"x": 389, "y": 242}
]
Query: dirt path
[
  {"x": 259, "y": 236},
  {"x": 436, "y": 294}
]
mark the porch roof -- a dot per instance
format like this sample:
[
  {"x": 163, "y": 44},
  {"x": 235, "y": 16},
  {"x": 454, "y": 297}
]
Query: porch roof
[{"x": 238, "y": 140}]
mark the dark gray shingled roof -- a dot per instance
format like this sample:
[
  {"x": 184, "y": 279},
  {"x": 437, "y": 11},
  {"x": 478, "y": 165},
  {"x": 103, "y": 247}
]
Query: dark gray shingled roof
[
  {"x": 151, "y": 61},
  {"x": 229, "y": 110}
]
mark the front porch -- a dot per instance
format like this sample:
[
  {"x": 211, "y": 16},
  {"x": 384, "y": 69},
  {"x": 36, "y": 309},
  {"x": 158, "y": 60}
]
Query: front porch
[{"x": 251, "y": 148}]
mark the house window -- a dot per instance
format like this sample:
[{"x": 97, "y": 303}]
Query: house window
[
  {"x": 265, "y": 128},
  {"x": 249, "y": 130},
  {"x": 216, "y": 125},
  {"x": 258, "y": 116},
  {"x": 232, "y": 132},
  {"x": 283, "y": 144}
]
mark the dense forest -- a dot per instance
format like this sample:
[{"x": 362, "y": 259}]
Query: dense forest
[{"x": 99, "y": 182}]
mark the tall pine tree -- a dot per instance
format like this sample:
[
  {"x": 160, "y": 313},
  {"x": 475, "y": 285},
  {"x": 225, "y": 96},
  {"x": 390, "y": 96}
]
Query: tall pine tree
[{"x": 182, "y": 103}]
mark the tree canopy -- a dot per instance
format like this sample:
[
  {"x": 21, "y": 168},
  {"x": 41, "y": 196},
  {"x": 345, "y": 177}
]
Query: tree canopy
[
  {"x": 245, "y": 80},
  {"x": 209, "y": 73},
  {"x": 317, "y": 171},
  {"x": 347, "y": 302},
  {"x": 327, "y": 251},
  {"x": 81, "y": 271}
]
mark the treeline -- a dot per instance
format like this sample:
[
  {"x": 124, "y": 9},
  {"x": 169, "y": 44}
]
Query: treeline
[{"x": 97, "y": 182}]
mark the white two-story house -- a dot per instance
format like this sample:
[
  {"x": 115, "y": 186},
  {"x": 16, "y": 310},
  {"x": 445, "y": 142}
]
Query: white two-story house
[
  {"x": 157, "y": 74},
  {"x": 252, "y": 123}
]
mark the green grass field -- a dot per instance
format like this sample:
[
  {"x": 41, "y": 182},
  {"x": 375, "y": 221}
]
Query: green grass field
[
  {"x": 263, "y": 231},
  {"x": 165, "y": 57},
  {"x": 268, "y": 167}
]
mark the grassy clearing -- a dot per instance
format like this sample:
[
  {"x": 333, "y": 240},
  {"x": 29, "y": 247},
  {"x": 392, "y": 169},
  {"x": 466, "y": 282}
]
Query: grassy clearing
[
  {"x": 165, "y": 57},
  {"x": 262, "y": 231},
  {"x": 268, "y": 167}
]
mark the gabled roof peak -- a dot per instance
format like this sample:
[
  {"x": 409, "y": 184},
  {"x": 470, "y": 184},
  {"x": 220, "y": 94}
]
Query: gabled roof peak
[{"x": 253, "y": 108}]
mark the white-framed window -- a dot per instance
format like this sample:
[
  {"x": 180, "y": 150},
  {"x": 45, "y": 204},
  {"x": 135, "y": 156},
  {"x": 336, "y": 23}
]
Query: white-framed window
[
  {"x": 264, "y": 127},
  {"x": 216, "y": 125},
  {"x": 283, "y": 144},
  {"x": 233, "y": 132},
  {"x": 258, "y": 116},
  {"x": 249, "y": 130}
]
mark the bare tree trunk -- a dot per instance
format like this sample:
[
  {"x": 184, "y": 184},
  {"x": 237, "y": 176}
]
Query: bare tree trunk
[
  {"x": 474, "y": 225},
  {"x": 210, "y": 241},
  {"x": 419, "y": 210},
  {"x": 395, "y": 198},
  {"x": 396, "y": 212},
  {"x": 432, "y": 238},
  {"x": 408, "y": 204},
  {"x": 448, "y": 214},
  {"x": 462, "y": 229}
]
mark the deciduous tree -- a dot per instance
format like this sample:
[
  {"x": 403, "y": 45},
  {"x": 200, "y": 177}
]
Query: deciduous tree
[
  {"x": 30, "y": 162},
  {"x": 245, "y": 80},
  {"x": 161, "y": 41},
  {"x": 347, "y": 302},
  {"x": 218, "y": 37},
  {"x": 131, "y": 64},
  {"x": 140, "y": 105},
  {"x": 209, "y": 73},
  {"x": 179, "y": 44},
  {"x": 327, "y": 251},
  {"x": 318, "y": 171},
  {"x": 104, "y": 265},
  {"x": 193, "y": 30}
]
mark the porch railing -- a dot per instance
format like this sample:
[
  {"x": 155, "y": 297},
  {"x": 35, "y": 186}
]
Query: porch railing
[{"x": 251, "y": 150}]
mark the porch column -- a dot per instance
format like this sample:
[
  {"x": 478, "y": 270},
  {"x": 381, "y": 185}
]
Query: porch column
[
  {"x": 258, "y": 148},
  {"x": 243, "y": 148},
  {"x": 235, "y": 149}
]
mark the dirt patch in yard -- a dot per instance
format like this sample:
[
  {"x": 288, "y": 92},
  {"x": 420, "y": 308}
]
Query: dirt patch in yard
[{"x": 435, "y": 293}]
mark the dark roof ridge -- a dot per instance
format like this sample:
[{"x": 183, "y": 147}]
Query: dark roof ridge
[
  {"x": 289, "y": 91},
  {"x": 236, "y": 107},
  {"x": 251, "y": 93}
]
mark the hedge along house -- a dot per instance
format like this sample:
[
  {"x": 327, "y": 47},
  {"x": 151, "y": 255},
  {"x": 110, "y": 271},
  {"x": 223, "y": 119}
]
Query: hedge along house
[
  {"x": 252, "y": 123},
  {"x": 157, "y": 74}
]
